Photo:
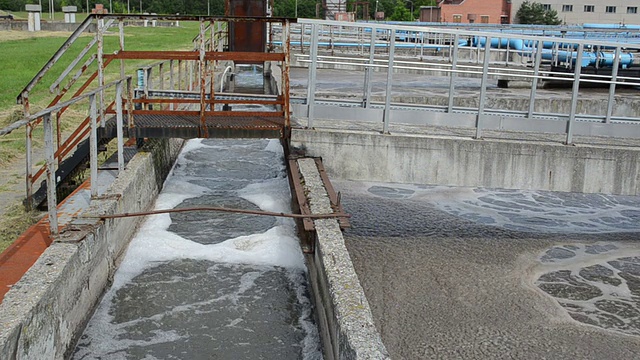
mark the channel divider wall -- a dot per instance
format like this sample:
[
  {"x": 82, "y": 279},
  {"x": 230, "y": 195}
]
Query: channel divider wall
[
  {"x": 43, "y": 315},
  {"x": 343, "y": 313}
]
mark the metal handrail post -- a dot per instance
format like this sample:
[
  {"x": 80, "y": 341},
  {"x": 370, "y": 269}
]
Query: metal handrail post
[
  {"x": 368, "y": 74},
  {"x": 93, "y": 146},
  {"x": 387, "y": 101},
  {"x": 483, "y": 88},
  {"x": 453, "y": 75},
  {"x": 119, "y": 124},
  {"x": 51, "y": 174},
  {"x": 534, "y": 81},
  {"x": 311, "y": 90},
  {"x": 612, "y": 87},
  {"x": 577, "y": 68}
]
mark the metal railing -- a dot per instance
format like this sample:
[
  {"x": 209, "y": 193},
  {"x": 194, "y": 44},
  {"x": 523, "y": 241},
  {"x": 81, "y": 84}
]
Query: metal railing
[
  {"x": 186, "y": 74},
  {"x": 487, "y": 56}
]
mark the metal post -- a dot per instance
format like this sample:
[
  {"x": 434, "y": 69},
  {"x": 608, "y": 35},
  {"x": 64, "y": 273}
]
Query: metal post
[
  {"x": 453, "y": 75},
  {"x": 171, "y": 81},
  {"x": 612, "y": 87},
  {"x": 285, "y": 77},
  {"x": 93, "y": 146},
  {"x": 191, "y": 65},
  {"x": 119, "y": 125},
  {"x": 422, "y": 45},
  {"x": 483, "y": 88},
  {"x": 129, "y": 104},
  {"x": 577, "y": 69},
  {"x": 121, "y": 31},
  {"x": 161, "y": 75},
  {"x": 101, "y": 68},
  {"x": 311, "y": 90},
  {"x": 387, "y": 101},
  {"x": 204, "y": 133},
  {"x": 368, "y": 72},
  {"x": 179, "y": 75},
  {"x": 29, "y": 165},
  {"x": 534, "y": 83},
  {"x": 51, "y": 174}
]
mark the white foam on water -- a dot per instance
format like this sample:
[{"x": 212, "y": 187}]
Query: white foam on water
[
  {"x": 154, "y": 244},
  {"x": 525, "y": 210}
]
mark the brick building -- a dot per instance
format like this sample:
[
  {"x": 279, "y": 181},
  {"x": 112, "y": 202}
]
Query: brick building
[{"x": 475, "y": 11}]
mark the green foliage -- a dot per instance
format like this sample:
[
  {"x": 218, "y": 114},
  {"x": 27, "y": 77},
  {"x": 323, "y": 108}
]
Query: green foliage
[
  {"x": 535, "y": 13},
  {"x": 400, "y": 13},
  {"x": 287, "y": 8}
]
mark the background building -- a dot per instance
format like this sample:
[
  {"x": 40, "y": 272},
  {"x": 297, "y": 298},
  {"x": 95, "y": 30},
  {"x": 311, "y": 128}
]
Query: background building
[
  {"x": 589, "y": 11},
  {"x": 475, "y": 11}
]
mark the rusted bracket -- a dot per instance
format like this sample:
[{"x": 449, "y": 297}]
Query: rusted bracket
[{"x": 333, "y": 196}]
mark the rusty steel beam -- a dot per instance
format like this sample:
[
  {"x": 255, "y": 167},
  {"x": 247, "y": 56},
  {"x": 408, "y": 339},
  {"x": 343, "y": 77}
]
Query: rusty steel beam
[
  {"x": 203, "y": 82},
  {"x": 193, "y": 55}
]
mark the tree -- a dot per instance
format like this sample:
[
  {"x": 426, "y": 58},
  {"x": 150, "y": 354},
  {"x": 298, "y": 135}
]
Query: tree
[
  {"x": 400, "y": 13},
  {"x": 535, "y": 13}
]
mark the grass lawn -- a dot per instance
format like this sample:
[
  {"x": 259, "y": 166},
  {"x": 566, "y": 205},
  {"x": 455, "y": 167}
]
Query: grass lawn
[{"x": 23, "y": 54}]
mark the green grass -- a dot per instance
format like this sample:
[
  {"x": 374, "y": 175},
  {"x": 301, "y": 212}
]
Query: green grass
[
  {"x": 14, "y": 222},
  {"x": 22, "y": 59}
]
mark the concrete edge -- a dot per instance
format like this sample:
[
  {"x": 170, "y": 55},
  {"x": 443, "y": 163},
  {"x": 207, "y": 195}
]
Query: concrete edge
[
  {"x": 42, "y": 316},
  {"x": 345, "y": 320}
]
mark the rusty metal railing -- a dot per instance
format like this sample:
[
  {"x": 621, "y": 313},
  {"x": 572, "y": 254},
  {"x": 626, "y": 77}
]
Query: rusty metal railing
[
  {"x": 185, "y": 78},
  {"x": 47, "y": 115}
]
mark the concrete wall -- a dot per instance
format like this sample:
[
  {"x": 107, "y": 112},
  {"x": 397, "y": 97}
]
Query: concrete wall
[
  {"x": 458, "y": 161},
  {"x": 42, "y": 316},
  {"x": 18, "y": 25},
  {"x": 343, "y": 313}
]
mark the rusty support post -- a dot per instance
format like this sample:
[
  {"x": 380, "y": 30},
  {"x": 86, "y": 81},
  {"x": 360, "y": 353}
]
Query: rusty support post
[
  {"x": 119, "y": 123},
  {"x": 93, "y": 146},
  {"x": 202, "y": 78},
  {"x": 51, "y": 174},
  {"x": 100, "y": 54},
  {"x": 285, "y": 77}
]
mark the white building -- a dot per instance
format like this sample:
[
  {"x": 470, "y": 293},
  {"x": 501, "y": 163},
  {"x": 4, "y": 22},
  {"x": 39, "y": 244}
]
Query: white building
[{"x": 573, "y": 12}]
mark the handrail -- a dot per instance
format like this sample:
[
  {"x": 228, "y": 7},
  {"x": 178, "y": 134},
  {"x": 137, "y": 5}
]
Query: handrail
[
  {"x": 74, "y": 36},
  {"x": 16, "y": 125}
]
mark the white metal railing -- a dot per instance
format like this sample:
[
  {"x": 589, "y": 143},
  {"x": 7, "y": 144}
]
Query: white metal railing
[{"x": 528, "y": 58}]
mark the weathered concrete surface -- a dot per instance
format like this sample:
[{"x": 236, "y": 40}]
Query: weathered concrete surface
[
  {"x": 44, "y": 313},
  {"x": 436, "y": 159},
  {"x": 21, "y": 25},
  {"x": 343, "y": 311}
]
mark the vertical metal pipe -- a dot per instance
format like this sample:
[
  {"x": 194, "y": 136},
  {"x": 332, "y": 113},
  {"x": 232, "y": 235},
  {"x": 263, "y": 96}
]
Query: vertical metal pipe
[
  {"x": 51, "y": 174},
  {"x": 145, "y": 89},
  {"x": 577, "y": 69},
  {"x": 387, "y": 101},
  {"x": 483, "y": 88},
  {"x": 93, "y": 146},
  {"x": 368, "y": 74},
  {"x": 534, "y": 83},
  {"x": 311, "y": 90},
  {"x": 421, "y": 45},
  {"x": 204, "y": 133},
  {"x": 101, "y": 67},
  {"x": 119, "y": 124},
  {"x": 612, "y": 87},
  {"x": 161, "y": 81},
  {"x": 285, "y": 77},
  {"x": 453, "y": 75}
]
